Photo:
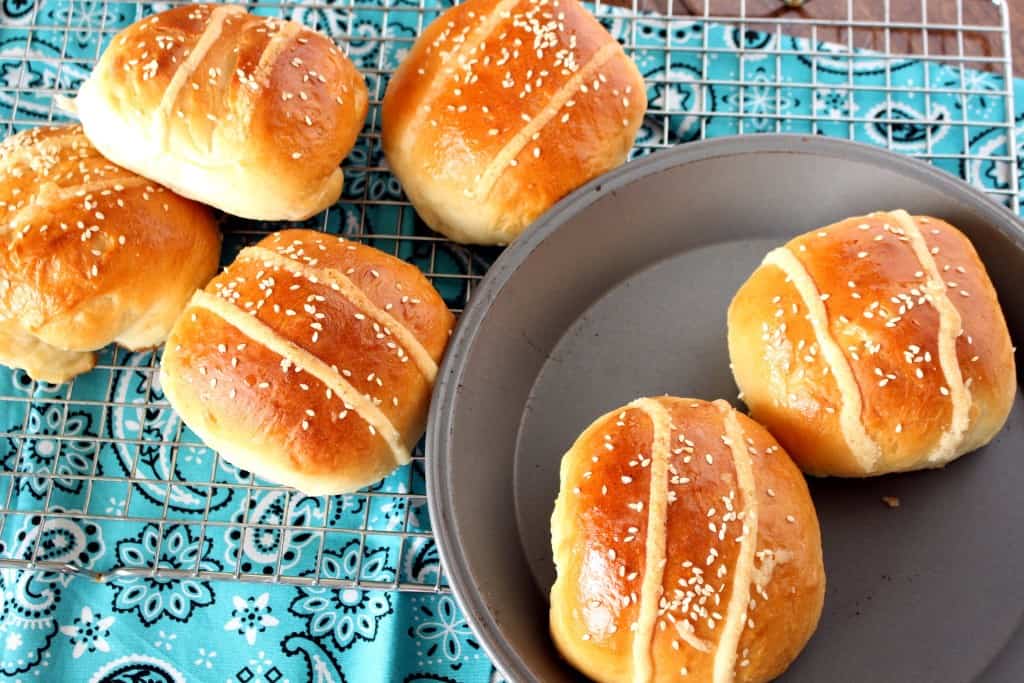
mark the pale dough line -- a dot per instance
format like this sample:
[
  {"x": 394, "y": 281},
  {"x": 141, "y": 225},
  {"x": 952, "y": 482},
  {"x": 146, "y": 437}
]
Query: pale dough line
[
  {"x": 860, "y": 443},
  {"x": 350, "y": 291},
  {"x": 657, "y": 528},
  {"x": 950, "y": 325},
  {"x": 262, "y": 334},
  {"x": 514, "y": 146},
  {"x": 439, "y": 78},
  {"x": 47, "y": 197},
  {"x": 281, "y": 39},
  {"x": 188, "y": 67},
  {"x": 736, "y": 612},
  {"x": 260, "y": 75}
]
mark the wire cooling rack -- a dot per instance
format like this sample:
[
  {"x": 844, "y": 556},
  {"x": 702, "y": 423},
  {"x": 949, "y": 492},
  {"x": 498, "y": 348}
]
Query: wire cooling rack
[{"x": 99, "y": 476}]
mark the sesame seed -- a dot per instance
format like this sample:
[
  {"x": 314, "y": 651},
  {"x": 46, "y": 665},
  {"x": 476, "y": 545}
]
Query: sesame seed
[{"x": 791, "y": 519}]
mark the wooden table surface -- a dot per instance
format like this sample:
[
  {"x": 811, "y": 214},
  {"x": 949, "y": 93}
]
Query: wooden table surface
[{"x": 976, "y": 12}]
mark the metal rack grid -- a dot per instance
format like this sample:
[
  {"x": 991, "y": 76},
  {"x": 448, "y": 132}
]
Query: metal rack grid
[{"x": 131, "y": 482}]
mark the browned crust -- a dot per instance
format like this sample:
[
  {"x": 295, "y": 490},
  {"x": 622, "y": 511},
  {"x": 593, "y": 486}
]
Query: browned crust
[
  {"x": 491, "y": 118},
  {"x": 79, "y": 227},
  {"x": 300, "y": 431},
  {"x": 600, "y": 537},
  {"x": 888, "y": 320},
  {"x": 230, "y": 90}
]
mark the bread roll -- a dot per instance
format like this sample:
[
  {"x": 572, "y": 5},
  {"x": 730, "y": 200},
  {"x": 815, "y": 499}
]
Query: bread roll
[
  {"x": 874, "y": 345},
  {"x": 503, "y": 107},
  {"x": 309, "y": 361},
  {"x": 687, "y": 548},
  {"x": 248, "y": 114},
  {"x": 92, "y": 254}
]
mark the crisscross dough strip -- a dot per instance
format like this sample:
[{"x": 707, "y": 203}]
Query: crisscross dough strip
[
  {"x": 861, "y": 445},
  {"x": 354, "y": 294},
  {"x": 262, "y": 334},
  {"x": 950, "y": 325},
  {"x": 188, "y": 67},
  {"x": 657, "y": 529},
  {"x": 743, "y": 572},
  {"x": 514, "y": 146}
]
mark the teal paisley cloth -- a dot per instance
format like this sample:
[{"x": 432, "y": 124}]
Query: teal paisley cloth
[{"x": 113, "y": 424}]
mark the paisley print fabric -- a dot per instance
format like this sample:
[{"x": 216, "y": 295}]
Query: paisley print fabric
[{"x": 129, "y": 489}]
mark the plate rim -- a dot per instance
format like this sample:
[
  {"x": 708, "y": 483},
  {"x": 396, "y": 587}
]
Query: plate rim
[{"x": 446, "y": 391}]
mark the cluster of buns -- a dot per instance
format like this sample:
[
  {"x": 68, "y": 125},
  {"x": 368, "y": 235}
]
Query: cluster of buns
[
  {"x": 874, "y": 345},
  {"x": 687, "y": 548},
  {"x": 251, "y": 115},
  {"x": 685, "y": 540},
  {"x": 309, "y": 361},
  {"x": 502, "y": 108},
  {"x": 92, "y": 254}
]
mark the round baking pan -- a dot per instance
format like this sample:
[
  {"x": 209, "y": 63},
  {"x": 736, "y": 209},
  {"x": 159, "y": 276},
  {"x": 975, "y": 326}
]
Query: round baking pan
[{"x": 621, "y": 291}]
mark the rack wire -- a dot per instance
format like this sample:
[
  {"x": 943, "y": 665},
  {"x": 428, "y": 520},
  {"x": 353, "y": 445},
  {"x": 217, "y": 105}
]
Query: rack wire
[{"x": 99, "y": 477}]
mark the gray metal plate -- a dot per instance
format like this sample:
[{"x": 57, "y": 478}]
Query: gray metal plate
[{"x": 620, "y": 291}]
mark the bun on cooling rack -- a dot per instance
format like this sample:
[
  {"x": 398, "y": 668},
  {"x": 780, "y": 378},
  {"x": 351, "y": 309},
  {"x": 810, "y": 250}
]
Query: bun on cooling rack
[
  {"x": 686, "y": 544},
  {"x": 309, "y": 361},
  {"x": 92, "y": 254},
  {"x": 248, "y": 114},
  {"x": 501, "y": 108},
  {"x": 874, "y": 345}
]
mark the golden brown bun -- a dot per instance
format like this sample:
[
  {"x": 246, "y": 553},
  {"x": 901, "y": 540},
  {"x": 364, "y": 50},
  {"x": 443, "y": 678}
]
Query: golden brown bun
[
  {"x": 874, "y": 345},
  {"x": 92, "y": 254},
  {"x": 249, "y": 114},
  {"x": 686, "y": 544},
  {"x": 309, "y": 361},
  {"x": 503, "y": 107}
]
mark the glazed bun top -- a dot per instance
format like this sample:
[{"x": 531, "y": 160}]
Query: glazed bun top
[
  {"x": 685, "y": 541},
  {"x": 874, "y": 345}
]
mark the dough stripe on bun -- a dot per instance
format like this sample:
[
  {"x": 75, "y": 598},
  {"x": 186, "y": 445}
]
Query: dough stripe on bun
[
  {"x": 473, "y": 41},
  {"x": 739, "y": 599},
  {"x": 657, "y": 531},
  {"x": 91, "y": 254},
  {"x": 950, "y": 327},
  {"x": 219, "y": 105},
  {"x": 503, "y": 107},
  {"x": 686, "y": 548},
  {"x": 873, "y": 345},
  {"x": 269, "y": 338},
  {"x": 188, "y": 68},
  {"x": 340, "y": 283},
  {"x": 558, "y": 100},
  {"x": 860, "y": 443}
]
